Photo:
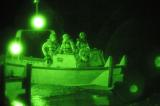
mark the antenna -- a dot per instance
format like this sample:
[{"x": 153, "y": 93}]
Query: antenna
[{"x": 36, "y": 2}]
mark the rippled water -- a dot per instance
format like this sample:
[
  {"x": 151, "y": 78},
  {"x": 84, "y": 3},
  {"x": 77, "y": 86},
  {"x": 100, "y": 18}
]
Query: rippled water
[{"x": 46, "y": 95}]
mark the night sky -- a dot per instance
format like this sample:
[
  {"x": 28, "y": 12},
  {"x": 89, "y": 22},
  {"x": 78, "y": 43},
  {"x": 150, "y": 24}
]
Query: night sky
[
  {"x": 109, "y": 24},
  {"x": 117, "y": 27}
]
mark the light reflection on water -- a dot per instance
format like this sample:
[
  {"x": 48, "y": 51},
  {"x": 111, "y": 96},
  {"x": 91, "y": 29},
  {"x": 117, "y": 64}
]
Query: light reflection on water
[
  {"x": 65, "y": 96},
  {"x": 38, "y": 101}
]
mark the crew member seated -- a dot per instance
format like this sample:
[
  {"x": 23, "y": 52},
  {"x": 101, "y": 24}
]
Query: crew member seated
[
  {"x": 67, "y": 46},
  {"x": 49, "y": 48},
  {"x": 82, "y": 41},
  {"x": 83, "y": 48}
]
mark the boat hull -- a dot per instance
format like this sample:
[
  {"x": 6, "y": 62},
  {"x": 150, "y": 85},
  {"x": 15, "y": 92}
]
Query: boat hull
[{"x": 70, "y": 77}]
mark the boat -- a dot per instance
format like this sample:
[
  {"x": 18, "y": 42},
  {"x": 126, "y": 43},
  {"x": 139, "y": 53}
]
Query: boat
[{"x": 65, "y": 69}]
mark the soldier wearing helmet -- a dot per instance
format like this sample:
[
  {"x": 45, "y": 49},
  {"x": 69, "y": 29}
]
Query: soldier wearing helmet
[
  {"x": 82, "y": 41},
  {"x": 67, "y": 45},
  {"x": 50, "y": 46},
  {"x": 83, "y": 48}
]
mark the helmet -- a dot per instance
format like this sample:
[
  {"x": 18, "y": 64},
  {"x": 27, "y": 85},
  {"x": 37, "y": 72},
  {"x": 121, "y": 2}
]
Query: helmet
[
  {"x": 52, "y": 36},
  {"x": 82, "y": 35},
  {"x": 66, "y": 36}
]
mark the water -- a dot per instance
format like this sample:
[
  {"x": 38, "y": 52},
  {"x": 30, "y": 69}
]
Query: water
[{"x": 46, "y": 95}]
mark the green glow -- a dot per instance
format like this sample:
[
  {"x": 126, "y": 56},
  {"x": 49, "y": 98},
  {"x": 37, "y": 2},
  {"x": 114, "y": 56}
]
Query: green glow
[
  {"x": 15, "y": 48},
  {"x": 157, "y": 62},
  {"x": 38, "y": 22},
  {"x": 36, "y": 1},
  {"x": 17, "y": 103},
  {"x": 38, "y": 101},
  {"x": 133, "y": 88}
]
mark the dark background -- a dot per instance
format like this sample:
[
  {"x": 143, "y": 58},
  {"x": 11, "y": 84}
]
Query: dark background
[
  {"x": 126, "y": 24},
  {"x": 117, "y": 27}
]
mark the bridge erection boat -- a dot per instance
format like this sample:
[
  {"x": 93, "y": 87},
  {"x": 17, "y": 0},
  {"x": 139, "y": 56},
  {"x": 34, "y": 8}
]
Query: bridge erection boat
[{"x": 66, "y": 70}]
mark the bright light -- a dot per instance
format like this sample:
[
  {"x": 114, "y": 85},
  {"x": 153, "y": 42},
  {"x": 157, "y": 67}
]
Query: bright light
[
  {"x": 134, "y": 88},
  {"x": 17, "y": 103},
  {"x": 36, "y": 1},
  {"x": 157, "y": 62},
  {"x": 38, "y": 21},
  {"x": 15, "y": 48}
]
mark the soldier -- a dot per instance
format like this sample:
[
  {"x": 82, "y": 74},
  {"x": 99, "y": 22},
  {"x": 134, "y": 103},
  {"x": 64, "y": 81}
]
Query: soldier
[
  {"x": 67, "y": 45},
  {"x": 82, "y": 41},
  {"x": 83, "y": 48},
  {"x": 49, "y": 48}
]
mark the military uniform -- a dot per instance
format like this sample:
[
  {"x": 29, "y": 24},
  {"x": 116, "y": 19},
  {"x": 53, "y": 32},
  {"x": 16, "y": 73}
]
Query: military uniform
[
  {"x": 82, "y": 43},
  {"x": 83, "y": 48},
  {"x": 67, "y": 45},
  {"x": 49, "y": 48}
]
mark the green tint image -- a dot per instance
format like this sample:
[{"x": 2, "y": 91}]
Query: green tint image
[
  {"x": 38, "y": 101},
  {"x": 157, "y": 62},
  {"x": 36, "y": 1},
  {"x": 134, "y": 88},
  {"x": 38, "y": 22},
  {"x": 15, "y": 48},
  {"x": 17, "y": 103}
]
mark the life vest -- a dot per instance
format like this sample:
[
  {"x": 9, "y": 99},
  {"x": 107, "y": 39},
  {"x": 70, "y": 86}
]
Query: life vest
[
  {"x": 67, "y": 46},
  {"x": 82, "y": 44},
  {"x": 51, "y": 47}
]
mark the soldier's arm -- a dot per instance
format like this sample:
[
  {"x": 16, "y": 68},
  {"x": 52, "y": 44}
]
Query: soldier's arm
[
  {"x": 88, "y": 46},
  {"x": 60, "y": 48},
  {"x": 72, "y": 46},
  {"x": 57, "y": 47},
  {"x": 44, "y": 47},
  {"x": 77, "y": 43}
]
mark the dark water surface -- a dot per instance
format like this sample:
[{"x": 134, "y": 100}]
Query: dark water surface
[{"x": 45, "y": 95}]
